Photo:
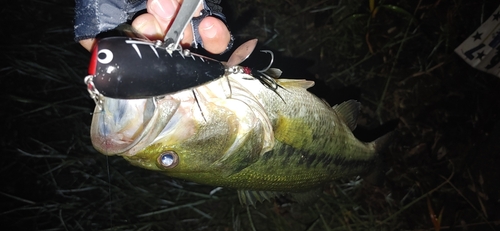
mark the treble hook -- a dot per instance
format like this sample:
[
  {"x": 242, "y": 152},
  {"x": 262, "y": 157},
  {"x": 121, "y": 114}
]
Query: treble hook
[{"x": 270, "y": 63}]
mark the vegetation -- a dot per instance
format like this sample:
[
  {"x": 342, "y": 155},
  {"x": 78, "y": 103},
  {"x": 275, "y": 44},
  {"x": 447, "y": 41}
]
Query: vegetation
[{"x": 395, "y": 56}]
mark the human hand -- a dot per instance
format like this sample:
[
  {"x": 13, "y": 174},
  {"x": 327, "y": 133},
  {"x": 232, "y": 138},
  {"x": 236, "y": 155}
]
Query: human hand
[{"x": 154, "y": 25}]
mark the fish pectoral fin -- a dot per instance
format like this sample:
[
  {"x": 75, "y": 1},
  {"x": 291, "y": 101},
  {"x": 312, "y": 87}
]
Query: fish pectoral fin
[
  {"x": 349, "y": 111},
  {"x": 249, "y": 197},
  {"x": 308, "y": 197}
]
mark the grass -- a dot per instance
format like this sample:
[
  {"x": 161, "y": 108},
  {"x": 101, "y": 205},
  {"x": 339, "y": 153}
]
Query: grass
[{"x": 398, "y": 62}]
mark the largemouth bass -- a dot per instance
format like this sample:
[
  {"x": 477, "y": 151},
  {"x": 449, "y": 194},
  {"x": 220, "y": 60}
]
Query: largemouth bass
[{"x": 235, "y": 132}]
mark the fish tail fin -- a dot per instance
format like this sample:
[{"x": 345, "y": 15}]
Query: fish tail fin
[
  {"x": 382, "y": 142},
  {"x": 377, "y": 174}
]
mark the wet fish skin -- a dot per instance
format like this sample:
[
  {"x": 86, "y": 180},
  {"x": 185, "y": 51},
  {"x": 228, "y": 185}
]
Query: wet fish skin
[{"x": 235, "y": 132}]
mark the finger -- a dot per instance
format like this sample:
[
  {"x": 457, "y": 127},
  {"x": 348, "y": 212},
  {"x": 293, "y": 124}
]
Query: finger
[
  {"x": 214, "y": 34},
  {"x": 147, "y": 25},
  {"x": 165, "y": 11},
  {"x": 87, "y": 43}
]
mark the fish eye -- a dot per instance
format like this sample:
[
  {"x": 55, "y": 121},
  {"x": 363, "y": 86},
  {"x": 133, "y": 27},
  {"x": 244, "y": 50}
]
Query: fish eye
[
  {"x": 167, "y": 160},
  {"x": 105, "y": 56}
]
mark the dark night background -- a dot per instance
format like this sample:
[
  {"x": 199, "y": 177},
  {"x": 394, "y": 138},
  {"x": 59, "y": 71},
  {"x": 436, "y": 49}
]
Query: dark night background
[{"x": 399, "y": 63}]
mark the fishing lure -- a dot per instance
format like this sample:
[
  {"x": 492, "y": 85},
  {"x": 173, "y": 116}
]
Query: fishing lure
[
  {"x": 128, "y": 68},
  {"x": 132, "y": 68}
]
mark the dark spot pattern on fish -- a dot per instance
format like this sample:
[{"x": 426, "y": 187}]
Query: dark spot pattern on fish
[
  {"x": 302, "y": 157},
  {"x": 286, "y": 160},
  {"x": 320, "y": 159},
  {"x": 315, "y": 137},
  {"x": 331, "y": 162},
  {"x": 328, "y": 160},
  {"x": 310, "y": 160},
  {"x": 289, "y": 152},
  {"x": 243, "y": 164},
  {"x": 267, "y": 156}
]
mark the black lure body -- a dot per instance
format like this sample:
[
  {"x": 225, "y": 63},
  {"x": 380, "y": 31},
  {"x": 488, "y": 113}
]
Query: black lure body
[{"x": 129, "y": 68}]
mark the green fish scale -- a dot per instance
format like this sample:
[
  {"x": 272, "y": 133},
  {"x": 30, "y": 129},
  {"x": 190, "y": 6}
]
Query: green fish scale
[
  {"x": 313, "y": 146},
  {"x": 271, "y": 173}
]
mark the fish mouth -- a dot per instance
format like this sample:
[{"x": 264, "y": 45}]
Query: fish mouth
[{"x": 126, "y": 126}]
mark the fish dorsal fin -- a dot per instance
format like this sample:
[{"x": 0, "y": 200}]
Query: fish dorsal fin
[
  {"x": 349, "y": 111},
  {"x": 249, "y": 197},
  {"x": 274, "y": 72},
  {"x": 302, "y": 83}
]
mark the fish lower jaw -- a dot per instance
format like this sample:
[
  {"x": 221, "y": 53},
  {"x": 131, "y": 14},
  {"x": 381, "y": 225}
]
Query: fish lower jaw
[{"x": 113, "y": 145}]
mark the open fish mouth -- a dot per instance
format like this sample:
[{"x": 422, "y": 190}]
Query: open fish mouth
[
  {"x": 125, "y": 126},
  {"x": 120, "y": 124}
]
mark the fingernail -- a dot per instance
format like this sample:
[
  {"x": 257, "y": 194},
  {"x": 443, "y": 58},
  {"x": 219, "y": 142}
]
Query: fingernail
[
  {"x": 139, "y": 25},
  {"x": 150, "y": 28},
  {"x": 209, "y": 29},
  {"x": 165, "y": 9}
]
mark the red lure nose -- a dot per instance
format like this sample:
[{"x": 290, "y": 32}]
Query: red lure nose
[{"x": 93, "y": 60}]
